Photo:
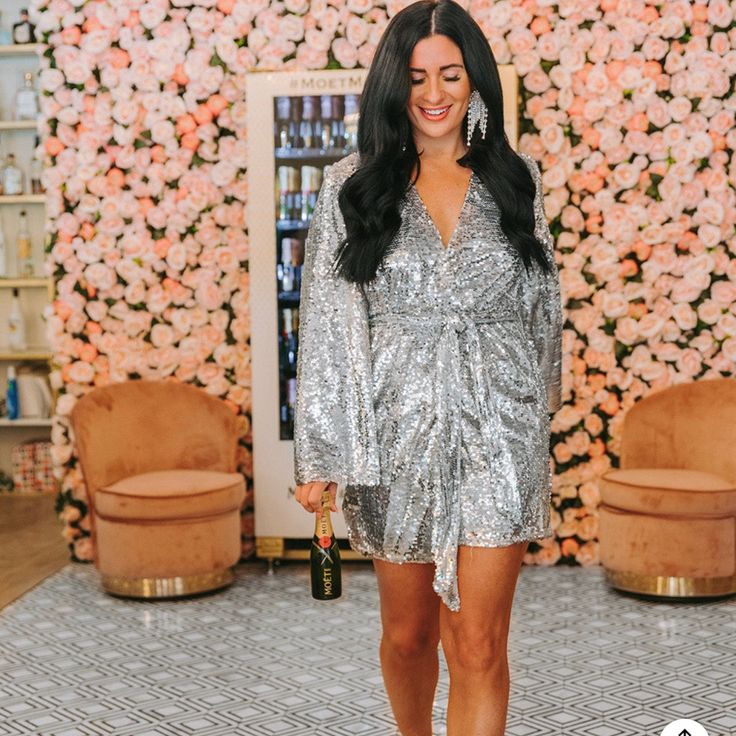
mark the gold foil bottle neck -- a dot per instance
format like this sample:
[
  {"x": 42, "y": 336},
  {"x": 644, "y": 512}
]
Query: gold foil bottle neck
[{"x": 323, "y": 525}]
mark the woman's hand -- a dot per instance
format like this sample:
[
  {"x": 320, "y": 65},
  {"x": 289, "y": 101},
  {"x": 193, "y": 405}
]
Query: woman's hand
[{"x": 309, "y": 495}]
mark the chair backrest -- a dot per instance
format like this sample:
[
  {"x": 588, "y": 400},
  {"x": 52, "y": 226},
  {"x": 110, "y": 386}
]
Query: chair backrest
[
  {"x": 139, "y": 426},
  {"x": 687, "y": 426}
]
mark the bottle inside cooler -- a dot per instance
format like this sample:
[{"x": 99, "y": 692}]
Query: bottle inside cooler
[
  {"x": 281, "y": 122},
  {"x": 310, "y": 132},
  {"x": 307, "y": 125}
]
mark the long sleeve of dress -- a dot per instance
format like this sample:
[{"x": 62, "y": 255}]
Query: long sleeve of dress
[
  {"x": 334, "y": 424},
  {"x": 543, "y": 302}
]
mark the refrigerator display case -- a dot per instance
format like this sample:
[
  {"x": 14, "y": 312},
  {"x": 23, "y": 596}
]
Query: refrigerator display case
[{"x": 298, "y": 123}]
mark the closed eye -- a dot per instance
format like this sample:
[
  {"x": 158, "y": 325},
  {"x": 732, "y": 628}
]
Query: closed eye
[{"x": 446, "y": 79}]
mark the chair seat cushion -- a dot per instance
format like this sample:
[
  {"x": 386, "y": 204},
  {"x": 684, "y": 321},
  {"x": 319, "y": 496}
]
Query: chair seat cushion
[
  {"x": 669, "y": 491},
  {"x": 171, "y": 494}
]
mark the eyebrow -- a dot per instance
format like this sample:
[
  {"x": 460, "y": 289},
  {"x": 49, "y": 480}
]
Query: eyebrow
[{"x": 442, "y": 68}]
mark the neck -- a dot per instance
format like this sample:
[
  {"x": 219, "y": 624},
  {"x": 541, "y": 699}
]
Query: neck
[{"x": 440, "y": 150}]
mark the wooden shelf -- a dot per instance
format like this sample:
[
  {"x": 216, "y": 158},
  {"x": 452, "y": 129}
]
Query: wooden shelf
[
  {"x": 34, "y": 282},
  {"x": 31, "y": 354},
  {"x": 20, "y": 49},
  {"x": 23, "y": 199},
  {"x": 25, "y": 422},
  {"x": 18, "y": 125}
]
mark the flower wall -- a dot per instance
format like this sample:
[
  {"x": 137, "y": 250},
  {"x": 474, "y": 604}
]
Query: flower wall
[{"x": 627, "y": 105}]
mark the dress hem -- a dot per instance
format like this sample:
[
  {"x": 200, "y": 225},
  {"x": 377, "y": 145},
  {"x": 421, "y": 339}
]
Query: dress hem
[{"x": 364, "y": 550}]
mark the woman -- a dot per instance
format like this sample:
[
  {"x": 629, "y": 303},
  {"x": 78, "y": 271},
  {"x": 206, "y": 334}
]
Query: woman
[{"x": 429, "y": 360}]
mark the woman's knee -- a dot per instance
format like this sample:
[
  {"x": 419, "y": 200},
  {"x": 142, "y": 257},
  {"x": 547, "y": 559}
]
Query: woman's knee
[
  {"x": 408, "y": 641},
  {"x": 409, "y": 608},
  {"x": 474, "y": 649}
]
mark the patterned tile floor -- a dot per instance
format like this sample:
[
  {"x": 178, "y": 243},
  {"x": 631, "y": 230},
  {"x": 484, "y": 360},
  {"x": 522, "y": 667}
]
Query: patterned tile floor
[{"x": 263, "y": 658}]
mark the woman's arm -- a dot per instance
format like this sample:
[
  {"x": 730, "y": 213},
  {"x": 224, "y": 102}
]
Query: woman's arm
[
  {"x": 543, "y": 301},
  {"x": 334, "y": 425}
]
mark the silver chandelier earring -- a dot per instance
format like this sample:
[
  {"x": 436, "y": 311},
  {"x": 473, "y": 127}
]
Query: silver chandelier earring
[{"x": 477, "y": 115}]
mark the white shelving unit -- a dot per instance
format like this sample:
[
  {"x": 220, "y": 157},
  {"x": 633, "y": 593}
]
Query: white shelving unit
[{"x": 17, "y": 136}]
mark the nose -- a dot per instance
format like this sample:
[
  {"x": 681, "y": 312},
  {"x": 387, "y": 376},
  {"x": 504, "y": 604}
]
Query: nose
[{"x": 434, "y": 90}]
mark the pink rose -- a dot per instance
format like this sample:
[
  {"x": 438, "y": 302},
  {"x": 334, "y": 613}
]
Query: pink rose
[
  {"x": 729, "y": 350},
  {"x": 710, "y": 311},
  {"x": 690, "y": 362},
  {"x": 521, "y": 40},
  {"x": 356, "y": 31},
  {"x": 345, "y": 53},
  {"x": 162, "y": 335},
  {"x": 100, "y": 276},
  {"x": 208, "y": 372},
  {"x": 209, "y": 296},
  {"x": 81, "y": 372},
  {"x": 317, "y": 40},
  {"x": 359, "y": 7}
]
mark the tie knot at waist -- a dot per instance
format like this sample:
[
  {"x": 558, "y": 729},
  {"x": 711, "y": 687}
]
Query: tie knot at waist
[{"x": 458, "y": 323}]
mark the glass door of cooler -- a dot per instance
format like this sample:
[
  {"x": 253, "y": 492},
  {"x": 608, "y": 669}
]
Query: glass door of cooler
[{"x": 298, "y": 123}]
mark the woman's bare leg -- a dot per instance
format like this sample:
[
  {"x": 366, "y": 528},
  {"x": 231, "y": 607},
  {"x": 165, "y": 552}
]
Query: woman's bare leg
[
  {"x": 409, "y": 641},
  {"x": 474, "y": 639}
]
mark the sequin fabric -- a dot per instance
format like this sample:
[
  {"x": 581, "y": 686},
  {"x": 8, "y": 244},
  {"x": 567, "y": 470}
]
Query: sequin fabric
[{"x": 426, "y": 394}]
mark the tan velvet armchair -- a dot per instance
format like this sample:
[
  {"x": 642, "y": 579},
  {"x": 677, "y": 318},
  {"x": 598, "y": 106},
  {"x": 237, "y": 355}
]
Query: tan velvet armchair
[
  {"x": 668, "y": 515},
  {"x": 159, "y": 461}
]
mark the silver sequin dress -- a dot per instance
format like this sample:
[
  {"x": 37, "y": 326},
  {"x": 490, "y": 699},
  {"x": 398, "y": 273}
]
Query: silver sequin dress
[{"x": 426, "y": 394}]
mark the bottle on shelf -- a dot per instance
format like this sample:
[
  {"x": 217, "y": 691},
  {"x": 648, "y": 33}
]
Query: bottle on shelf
[
  {"x": 11, "y": 394},
  {"x": 285, "y": 196},
  {"x": 26, "y": 99},
  {"x": 311, "y": 180},
  {"x": 16, "y": 325},
  {"x": 324, "y": 558},
  {"x": 297, "y": 261},
  {"x": 281, "y": 122},
  {"x": 307, "y": 127},
  {"x": 36, "y": 174},
  {"x": 295, "y": 189},
  {"x": 285, "y": 270},
  {"x": 325, "y": 128},
  {"x": 24, "y": 253},
  {"x": 12, "y": 176},
  {"x": 288, "y": 339},
  {"x": 3, "y": 252},
  {"x": 24, "y": 31},
  {"x": 337, "y": 136},
  {"x": 295, "y": 109},
  {"x": 289, "y": 194}
]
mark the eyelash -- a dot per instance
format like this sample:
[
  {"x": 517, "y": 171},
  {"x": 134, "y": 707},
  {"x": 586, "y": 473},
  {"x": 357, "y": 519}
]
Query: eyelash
[{"x": 447, "y": 79}]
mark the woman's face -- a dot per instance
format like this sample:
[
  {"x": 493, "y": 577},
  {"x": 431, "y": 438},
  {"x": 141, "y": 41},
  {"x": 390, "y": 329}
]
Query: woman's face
[{"x": 440, "y": 89}]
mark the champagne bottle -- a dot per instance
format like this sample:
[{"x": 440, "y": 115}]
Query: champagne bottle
[
  {"x": 325, "y": 556},
  {"x": 24, "y": 31},
  {"x": 23, "y": 248},
  {"x": 16, "y": 325},
  {"x": 12, "y": 176},
  {"x": 26, "y": 99}
]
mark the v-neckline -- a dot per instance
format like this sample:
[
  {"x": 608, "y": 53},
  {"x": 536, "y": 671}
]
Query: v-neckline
[{"x": 459, "y": 217}]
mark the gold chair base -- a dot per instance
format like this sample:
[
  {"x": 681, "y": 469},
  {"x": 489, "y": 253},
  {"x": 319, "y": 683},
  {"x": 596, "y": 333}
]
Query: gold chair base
[
  {"x": 670, "y": 586},
  {"x": 167, "y": 587}
]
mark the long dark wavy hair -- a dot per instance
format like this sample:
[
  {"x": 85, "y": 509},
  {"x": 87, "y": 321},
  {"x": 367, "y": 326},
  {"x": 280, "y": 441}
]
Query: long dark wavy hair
[{"x": 369, "y": 199}]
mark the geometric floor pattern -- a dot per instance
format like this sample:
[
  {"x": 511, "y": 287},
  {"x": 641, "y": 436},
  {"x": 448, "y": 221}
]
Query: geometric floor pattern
[{"x": 263, "y": 658}]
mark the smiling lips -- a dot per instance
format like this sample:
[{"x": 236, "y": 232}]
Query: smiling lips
[{"x": 435, "y": 113}]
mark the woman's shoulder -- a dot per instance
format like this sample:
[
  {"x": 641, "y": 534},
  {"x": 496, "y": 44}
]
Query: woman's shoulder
[
  {"x": 343, "y": 168},
  {"x": 532, "y": 163}
]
